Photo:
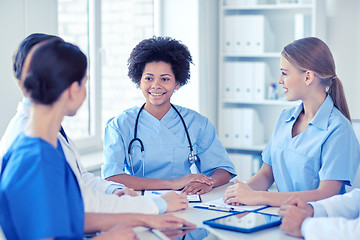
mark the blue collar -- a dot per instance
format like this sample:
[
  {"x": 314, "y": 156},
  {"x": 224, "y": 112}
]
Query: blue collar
[{"x": 321, "y": 118}]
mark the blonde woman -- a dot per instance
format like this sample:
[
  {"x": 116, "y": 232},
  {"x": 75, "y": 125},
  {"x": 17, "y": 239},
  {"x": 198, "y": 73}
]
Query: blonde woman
[{"x": 313, "y": 151}]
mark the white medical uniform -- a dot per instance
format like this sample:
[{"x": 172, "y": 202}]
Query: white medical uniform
[
  {"x": 337, "y": 217},
  {"x": 93, "y": 188},
  {"x": 166, "y": 147}
]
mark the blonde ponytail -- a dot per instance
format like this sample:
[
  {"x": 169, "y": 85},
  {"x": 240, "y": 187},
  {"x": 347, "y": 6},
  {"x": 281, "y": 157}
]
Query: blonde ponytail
[{"x": 337, "y": 94}]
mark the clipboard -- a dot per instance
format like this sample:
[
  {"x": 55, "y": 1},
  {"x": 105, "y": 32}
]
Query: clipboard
[
  {"x": 219, "y": 205},
  {"x": 215, "y": 208},
  {"x": 191, "y": 198}
]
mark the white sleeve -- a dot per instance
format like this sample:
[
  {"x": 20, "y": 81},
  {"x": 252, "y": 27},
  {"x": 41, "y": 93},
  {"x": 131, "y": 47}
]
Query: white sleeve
[
  {"x": 95, "y": 201},
  {"x": 331, "y": 228},
  {"x": 88, "y": 179},
  {"x": 343, "y": 220},
  {"x": 346, "y": 205},
  {"x": 97, "y": 183},
  {"x": 93, "y": 190}
]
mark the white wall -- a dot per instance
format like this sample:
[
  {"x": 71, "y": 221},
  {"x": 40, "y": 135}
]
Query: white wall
[
  {"x": 19, "y": 18},
  {"x": 195, "y": 23},
  {"x": 179, "y": 19},
  {"x": 12, "y": 32},
  {"x": 343, "y": 38},
  {"x": 208, "y": 58}
]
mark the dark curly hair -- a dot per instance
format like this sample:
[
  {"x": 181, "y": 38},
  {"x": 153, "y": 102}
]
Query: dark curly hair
[{"x": 158, "y": 49}]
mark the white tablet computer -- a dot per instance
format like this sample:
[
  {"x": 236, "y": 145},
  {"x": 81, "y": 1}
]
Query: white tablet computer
[{"x": 245, "y": 222}]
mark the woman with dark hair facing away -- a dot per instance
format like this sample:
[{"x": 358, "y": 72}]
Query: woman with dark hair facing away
[
  {"x": 313, "y": 151},
  {"x": 154, "y": 146},
  {"x": 40, "y": 197},
  {"x": 98, "y": 194}
]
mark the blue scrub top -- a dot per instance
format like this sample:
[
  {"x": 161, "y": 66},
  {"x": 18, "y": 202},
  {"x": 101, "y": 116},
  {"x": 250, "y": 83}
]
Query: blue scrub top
[
  {"x": 39, "y": 194},
  {"x": 165, "y": 143},
  {"x": 327, "y": 150}
]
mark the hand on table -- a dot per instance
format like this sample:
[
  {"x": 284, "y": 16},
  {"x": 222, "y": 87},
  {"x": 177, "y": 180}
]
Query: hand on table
[
  {"x": 197, "y": 188},
  {"x": 181, "y": 182},
  {"x": 125, "y": 191},
  {"x": 175, "y": 202},
  {"x": 293, "y": 212},
  {"x": 239, "y": 194}
]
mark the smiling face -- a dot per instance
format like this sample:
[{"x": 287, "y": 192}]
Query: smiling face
[
  {"x": 293, "y": 80},
  {"x": 158, "y": 84}
]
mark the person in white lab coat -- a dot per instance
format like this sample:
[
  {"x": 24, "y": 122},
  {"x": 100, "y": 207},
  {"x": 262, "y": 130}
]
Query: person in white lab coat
[
  {"x": 97, "y": 193},
  {"x": 337, "y": 217}
]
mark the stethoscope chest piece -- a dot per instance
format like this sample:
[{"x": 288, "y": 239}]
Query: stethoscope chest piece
[{"x": 192, "y": 157}]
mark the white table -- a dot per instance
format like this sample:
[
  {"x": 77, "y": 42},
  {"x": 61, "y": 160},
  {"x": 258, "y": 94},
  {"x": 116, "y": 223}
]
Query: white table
[{"x": 197, "y": 216}]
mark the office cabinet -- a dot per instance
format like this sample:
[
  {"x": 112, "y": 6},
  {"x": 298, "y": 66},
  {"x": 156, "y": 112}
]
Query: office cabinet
[{"x": 252, "y": 34}]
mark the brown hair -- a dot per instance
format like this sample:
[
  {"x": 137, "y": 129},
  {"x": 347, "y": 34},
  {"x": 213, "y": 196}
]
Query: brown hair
[{"x": 313, "y": 54}]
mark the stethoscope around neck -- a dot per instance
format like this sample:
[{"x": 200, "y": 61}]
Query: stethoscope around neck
[{"x": 192, "y": 157}]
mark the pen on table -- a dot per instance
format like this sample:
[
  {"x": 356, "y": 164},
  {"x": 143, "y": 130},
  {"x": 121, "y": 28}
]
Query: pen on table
[
  {"x": 156, "y": 193},
  {"x": 221, "y": 208}
]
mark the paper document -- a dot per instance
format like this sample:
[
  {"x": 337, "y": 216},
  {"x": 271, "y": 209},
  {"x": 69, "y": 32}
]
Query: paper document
[
  {"x": 191, "y": 198},
  {"x": 219, "y": 205}
]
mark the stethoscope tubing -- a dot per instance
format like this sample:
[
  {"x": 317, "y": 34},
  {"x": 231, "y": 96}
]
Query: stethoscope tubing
[
  {"x": 185, "y": 127},
  {"x": 192, "y": 157}
]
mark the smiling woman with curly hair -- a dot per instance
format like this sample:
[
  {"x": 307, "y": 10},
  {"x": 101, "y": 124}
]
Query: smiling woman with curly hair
[{"x": 154, "y": 146}]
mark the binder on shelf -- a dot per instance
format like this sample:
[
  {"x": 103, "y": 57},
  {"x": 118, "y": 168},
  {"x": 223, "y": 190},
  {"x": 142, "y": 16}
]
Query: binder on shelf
[
  {"x": 247, "y": 80},
  {"x": 299, "y": 26},
  {"x": 253, "y": 131},
  {"x": 228, "y": 40},
  {"x": 260, "y": 73},
  {"x": 237, "y": 80},
  {"x": 225, "y": 131},
  {"x": 240, "y": 34},
  {"x": 241, "y": 75},
  {"x": 236, "y": 127},
  {"x": 257, "y": 31},
  {"x": 240, "y": 127},
  {"x": 228, "y": 80},
  {"x": 245, "y": 34}
]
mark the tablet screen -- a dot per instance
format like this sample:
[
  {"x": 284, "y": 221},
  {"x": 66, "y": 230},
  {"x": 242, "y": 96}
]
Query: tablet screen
[{"x": 245, "y": 222}]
